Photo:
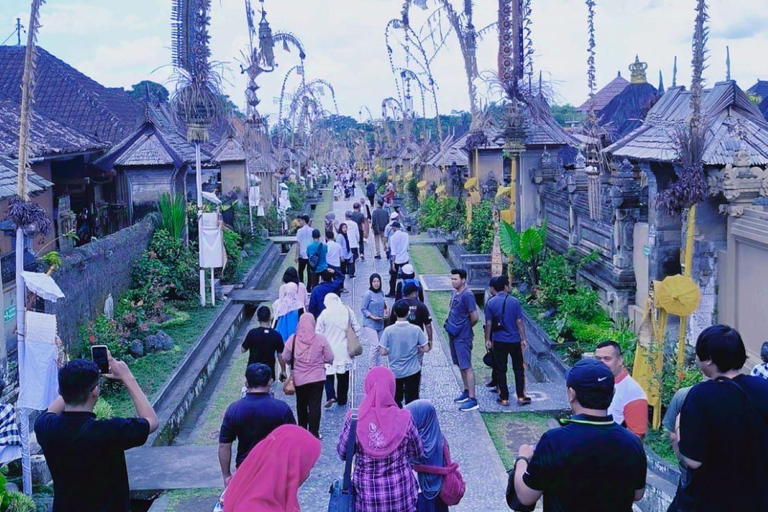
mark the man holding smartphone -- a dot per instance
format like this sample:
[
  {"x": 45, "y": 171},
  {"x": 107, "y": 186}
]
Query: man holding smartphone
[{"x": 86, "y": 456}]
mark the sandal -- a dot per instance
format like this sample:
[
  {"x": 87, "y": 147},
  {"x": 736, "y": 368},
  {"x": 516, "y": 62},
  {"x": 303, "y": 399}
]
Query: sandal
[{"x": 524, "y": 401}]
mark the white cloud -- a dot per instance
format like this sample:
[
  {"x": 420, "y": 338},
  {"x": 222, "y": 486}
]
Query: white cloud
[{"x": 121, "y": 43}]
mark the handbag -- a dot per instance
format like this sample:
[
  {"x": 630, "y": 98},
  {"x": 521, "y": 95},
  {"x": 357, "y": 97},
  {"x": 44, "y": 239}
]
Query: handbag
[
  {"x": 453, "y": 487},
  {"x": 354, "y": 348},
  {"x": 512, "y": 501},
  {"x": 289, "y": 386},
  {"x": 342, "y": 491}
]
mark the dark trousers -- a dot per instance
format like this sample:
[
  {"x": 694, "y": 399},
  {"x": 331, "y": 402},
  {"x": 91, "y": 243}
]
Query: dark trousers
[
  {"x": 348, "y": 267},
  {"x": 501, "y": 351},
  {"x": 407, "y": 388},
  {"x": 394, "y": 270},
  {"x": 362, "y": 243},
  {"x": 303, "y": 264},
  {"x": 371, "y": 199},
  {"x": 308, "y": 398},
  {"x": 340, "y": 394},
  {"x": 312, "y": 280},
  {"x": 355, "y": 257}
]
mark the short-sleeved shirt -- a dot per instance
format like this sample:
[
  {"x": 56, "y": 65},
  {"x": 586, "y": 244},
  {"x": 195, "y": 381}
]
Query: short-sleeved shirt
[
  {"x": 509, "y": 314},
  {"x": 724, "y": 428},
  {"x": 589, "y": 465},
  {"x": 321, "y": 250},
  {"x": 333, "y": 255},
  {"x": 399, "y": 245},
  {"x": 304, "y": 238},
  {"x": 462, "y": 304},
  {"x": 418, "y": 313},
  {"x": 86, "y": 457},
  {"x": 359, "y": 218},
  {"x": 251, "y": 419},
  {"x": 262, "y": 344},
  {"x": 403, "y": 340}
]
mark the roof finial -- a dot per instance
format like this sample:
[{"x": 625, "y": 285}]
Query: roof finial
[
  {"x": 661, "y": 83},
  {"x": 674, "y": 73},
  {"x": 541, "y": 90},
  {"x": 637, "y": 69},
  {"x": 728, "y": 63}
]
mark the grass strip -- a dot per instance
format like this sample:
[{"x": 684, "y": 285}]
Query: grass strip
[{"x": 427, "y": 259}]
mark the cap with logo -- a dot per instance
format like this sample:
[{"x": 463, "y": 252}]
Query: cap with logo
[{"x": 590, "y": 374}]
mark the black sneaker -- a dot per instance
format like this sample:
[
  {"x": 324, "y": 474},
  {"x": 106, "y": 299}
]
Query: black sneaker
[
  {"x": 377, "y": 257},
  {"x": 491, "y": 384}
]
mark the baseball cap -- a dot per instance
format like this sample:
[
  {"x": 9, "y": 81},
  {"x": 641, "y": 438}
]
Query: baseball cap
[
  {"x": 590, "y": 374},
  {"x": 393, "y": 215},
  {"x": 409, "y": 288},
  {"x": 407, "y": 269},
  {"x": 395, "y": 224}
]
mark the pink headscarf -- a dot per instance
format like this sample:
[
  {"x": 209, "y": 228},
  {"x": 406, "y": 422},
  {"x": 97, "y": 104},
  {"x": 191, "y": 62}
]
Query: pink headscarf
[
  {"x": 269, "y": 478},
  {"x": 382, "y": 425},
  {"x": 287, "y": 301},
  {"x": 305, "y": 338}
]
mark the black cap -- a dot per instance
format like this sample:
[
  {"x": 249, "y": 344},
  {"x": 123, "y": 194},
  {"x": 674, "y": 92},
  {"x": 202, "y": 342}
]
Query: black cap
[
  {"x": 590, "y": 374},
  {"x": 409, "y": 288},
  {"x": 315, "y": 233},
  {"x": 396, "y": 224}
]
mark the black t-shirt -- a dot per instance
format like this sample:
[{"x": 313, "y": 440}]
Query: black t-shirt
[
  {"x": 417, "y": 315},
  {"x": 262, "y": 344},
  {"x": 251, "y": 419},
  {"x": 589, "y": 465},
  {"x": 726, "y": 431},
  {"x": 87, "y": 460}
]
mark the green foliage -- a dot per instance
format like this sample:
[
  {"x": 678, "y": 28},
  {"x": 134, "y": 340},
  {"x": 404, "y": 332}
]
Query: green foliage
[
  {"x": 103, "y": 410},
  {"x": 674, "y": 380},
  {"x": 557, "y": 277},
  {"x": 172, "y": 214},
  {"x": 178, "y": 318},
  {"x": 566, "y": 115},
  {"x": 103, "y": 331},
  {"x": 296, "y": 195},
  {"x": 527, "y": 247},
  {"x": 51, "y": 259},
  {"x": 583, "y": 304},
  {"x": 168, "y": 267},
  {"x": 658, "y": 441},
  {"x": 480, "y": 236},
  {"x": 154, "y": 90},
  {"x": 412, "y": 190},
  {"x": 573, "y": 354},
  {"x": 233, "y": 246},
  {"x": 446, "y": 213}
]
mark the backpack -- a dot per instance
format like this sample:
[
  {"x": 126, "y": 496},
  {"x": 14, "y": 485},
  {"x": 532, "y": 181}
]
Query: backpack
[
  {"x": 453, "y": 488},
  {"x": 314, "y": 260}
]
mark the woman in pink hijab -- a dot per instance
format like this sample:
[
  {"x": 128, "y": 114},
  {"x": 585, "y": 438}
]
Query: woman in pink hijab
[
  {"x": 386, "y": 439},
  {"x": 269, "y": 478}
]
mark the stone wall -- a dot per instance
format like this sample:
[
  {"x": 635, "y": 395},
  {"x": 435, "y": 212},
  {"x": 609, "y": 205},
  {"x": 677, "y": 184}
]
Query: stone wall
[{"x": 90, "y": 273}]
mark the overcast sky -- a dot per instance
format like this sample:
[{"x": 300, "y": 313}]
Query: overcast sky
[{"x": 121, "y": 42}]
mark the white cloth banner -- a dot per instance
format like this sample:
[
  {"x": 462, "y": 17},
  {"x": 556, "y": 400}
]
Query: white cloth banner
[
  {"x": 254, "y": 196},
  {"x": 38, "y": 375},
  {"x": 40, "y": 327},
  {"x": 212, "y": 253}
]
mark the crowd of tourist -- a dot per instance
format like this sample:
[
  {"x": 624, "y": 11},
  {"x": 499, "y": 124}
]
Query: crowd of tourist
[{"x": 308, "y": 341}]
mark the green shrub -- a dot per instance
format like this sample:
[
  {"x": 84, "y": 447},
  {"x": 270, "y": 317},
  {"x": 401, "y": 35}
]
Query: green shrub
[
  {"x": 674, "y": 379},
  {"x": 233, "y": 246},
  {"x": 446, "y": 213},
  {"x": 103, "y": 410},
  {"x": 557, "y": 278},
  {"x": 296, "y": 196},
  {"x": 168, "y": 266},
  {"x": 590, "y": 333},
  {"x": 583, "y": 304},
  {"x": 103, "y": 331},
  {"x": 172, "y": 214},
  {"x": 412, "y": 197},
  {"x": 480, "y": 239}
]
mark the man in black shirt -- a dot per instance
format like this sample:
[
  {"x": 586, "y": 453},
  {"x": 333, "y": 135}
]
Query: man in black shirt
[
  {"x": 590, "y": 464},
  {"x": 85, "y": 455},
  {"x": 264, "y": 342},
  {"x": 418, "y": 313},
  {"x": 251, "y": 419},
  {"x": 722, "y": 430}
]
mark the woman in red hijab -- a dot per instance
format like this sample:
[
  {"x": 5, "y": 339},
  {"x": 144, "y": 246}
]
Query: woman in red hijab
[
  {"x": 385, "y": 439},
  {"x": 270, "y": 477}
]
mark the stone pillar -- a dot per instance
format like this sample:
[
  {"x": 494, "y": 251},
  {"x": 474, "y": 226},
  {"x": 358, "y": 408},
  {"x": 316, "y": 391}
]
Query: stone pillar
[{"x": 593, "y": 191}]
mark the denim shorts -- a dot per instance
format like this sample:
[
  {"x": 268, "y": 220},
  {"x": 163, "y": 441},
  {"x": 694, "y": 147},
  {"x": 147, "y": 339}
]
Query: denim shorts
[{"x": 461, "y": 352}]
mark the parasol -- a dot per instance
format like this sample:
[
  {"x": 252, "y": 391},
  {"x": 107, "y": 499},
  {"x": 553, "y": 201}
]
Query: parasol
[
  {"x": 42, "y": 285},
  {"x": 422, "y": 184},
  {"x": 210, "y": 196},
  {"x": 439, "y": 190},
  {"x": 471, "y": 183},
  {"x": 678, "y": 295},
  {"x": 502, "y": 192}
]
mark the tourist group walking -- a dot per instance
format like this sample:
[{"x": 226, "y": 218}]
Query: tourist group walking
[{"x": 391, "y": 450}]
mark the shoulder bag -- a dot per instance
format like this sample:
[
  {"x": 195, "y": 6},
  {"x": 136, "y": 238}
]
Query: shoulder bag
[
  {"x": 497, "y": 324},
  {"x": 512, "y": 500},
  {"x": 354, "y": 348},
  {"x": 453, "y": 487},
  {"x": 289, "y": 386},
  {"x": 342, "y": 491}
]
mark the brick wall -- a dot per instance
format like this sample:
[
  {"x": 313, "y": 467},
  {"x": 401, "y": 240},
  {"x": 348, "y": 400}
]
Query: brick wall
[{"x": 90, "y": 273}]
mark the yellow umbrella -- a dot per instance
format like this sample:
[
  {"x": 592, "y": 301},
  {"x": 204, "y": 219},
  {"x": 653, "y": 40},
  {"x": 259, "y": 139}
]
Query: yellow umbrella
[
  {"x": 678, "y": 295},
  {"x": 471, "y": 183},
  {"x": 503, "y": 191},
  {"x": 422, "y": 184},
  {"x": 440, "y": 189},
  {"x": 409, "y": 175}
]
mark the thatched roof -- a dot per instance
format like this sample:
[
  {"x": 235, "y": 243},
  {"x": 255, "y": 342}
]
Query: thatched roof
[
  {"x": 733, "y": 123},
  {"x": 606, "y": 94},
  {"x": 8, "y": 180},
  {"x": 760, "y": 89},
  {"x": 68, "y": 96},
  {"x": 764, "y": 108},
  {"x": 229, "y": 150},
  {"x": 626, "y": 111},
  {"x": 453, "y": 151},
  {"x": 541, "y": 129},
  {"x": 47, "y": 137}
]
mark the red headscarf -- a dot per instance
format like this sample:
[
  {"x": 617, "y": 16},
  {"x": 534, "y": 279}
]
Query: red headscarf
[
  {"x": 269, "y": 478},
  {"x": 382, "y": 425}
]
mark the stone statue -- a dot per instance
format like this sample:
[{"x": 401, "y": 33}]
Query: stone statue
[
  {"x": 490, "y": 187},
  {"x": 457, "y": 180}
]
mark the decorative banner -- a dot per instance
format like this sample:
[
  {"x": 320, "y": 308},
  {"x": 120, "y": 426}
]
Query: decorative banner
[{"x": 212, "y": 254}]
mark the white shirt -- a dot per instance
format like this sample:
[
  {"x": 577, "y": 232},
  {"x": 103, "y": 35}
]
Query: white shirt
[
  {"x": 399, "y": 243},
  {"x": 353, "y": 233},
  {"x": 304, "y": 238},
  {"x": 627, "y": 392},
  {"x": 333, "y": 256},
  {"x": 388, "y": 229}
]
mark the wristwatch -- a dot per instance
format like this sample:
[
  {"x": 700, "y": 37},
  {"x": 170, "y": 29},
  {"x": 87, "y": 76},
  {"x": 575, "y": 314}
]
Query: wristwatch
[{"x": 519, "y": 458}]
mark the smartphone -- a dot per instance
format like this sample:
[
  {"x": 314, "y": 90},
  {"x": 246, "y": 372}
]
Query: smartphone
[{"x": 100, "y": 357}]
